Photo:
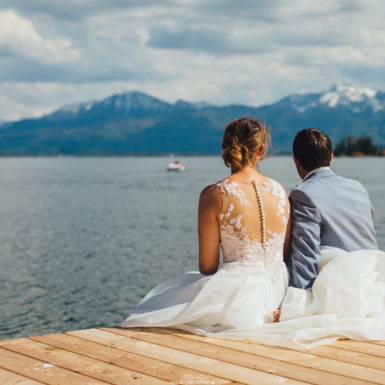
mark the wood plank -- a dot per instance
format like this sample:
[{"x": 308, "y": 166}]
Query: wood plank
[
  {"x": 293, "y": 356},
  {"x": 361, "y": 346},
  {"x": 10, "y": 378},
  {"x": 377, "y": 342},
  {"x": 160, "y": 355},
  {"x": 80, "y": 364},
  {"x": 42, "y": 371},
  {"x": 189, "y": 360},
  {"x": 352, "y": 357},
  {"x": 245, "y": 359},
  {"x": 149, "y": 366}
]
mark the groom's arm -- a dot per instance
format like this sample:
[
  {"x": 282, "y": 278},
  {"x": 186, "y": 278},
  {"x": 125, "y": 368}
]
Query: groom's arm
[{"x": 305, "y": 252}]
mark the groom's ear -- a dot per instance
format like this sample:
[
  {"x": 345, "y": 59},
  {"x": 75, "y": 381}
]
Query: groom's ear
[
  {"x": 296, "y": 161},
  {"x": 331, "y": 158}
]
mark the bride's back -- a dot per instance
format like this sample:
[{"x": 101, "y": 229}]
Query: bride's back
[{"x": 252, "y": 218}]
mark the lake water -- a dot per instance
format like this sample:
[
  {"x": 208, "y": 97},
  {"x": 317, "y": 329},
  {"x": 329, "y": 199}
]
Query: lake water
[{"x": 83, "y": 239}]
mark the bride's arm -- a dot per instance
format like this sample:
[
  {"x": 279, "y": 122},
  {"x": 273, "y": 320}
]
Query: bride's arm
[{"x": 208, "y": 231}]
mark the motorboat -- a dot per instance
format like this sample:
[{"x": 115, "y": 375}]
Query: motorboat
[{"x": 176, "y": 166}]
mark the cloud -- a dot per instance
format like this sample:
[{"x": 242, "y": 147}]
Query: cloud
[
  {"x": 76, "y": 10},
  {"x": 222, "y": 51},
  {"x": 195, "y": 39},
  {"x": 101, "y": 54},
  {"x": 209, "y": 40},
  {"x": 19, "y": 37}
]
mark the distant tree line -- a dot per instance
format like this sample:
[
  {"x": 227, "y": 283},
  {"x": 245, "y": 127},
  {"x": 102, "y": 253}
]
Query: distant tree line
[{"x": 350, "y": 146}]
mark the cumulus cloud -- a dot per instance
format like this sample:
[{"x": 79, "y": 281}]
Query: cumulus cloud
[
  {"x": 19, "y": 37},
  {"x": 222, "y": 51},
  {"x": 209, "y": 40},
  {"x": 76, "y": 10}
]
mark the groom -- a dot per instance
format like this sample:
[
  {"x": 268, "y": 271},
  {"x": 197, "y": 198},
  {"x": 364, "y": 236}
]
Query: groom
[{"x": 327, "y": 209}]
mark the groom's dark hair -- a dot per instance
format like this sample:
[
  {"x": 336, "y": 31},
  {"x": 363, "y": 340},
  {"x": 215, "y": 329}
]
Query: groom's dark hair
[{"x": 312, "y": 148}]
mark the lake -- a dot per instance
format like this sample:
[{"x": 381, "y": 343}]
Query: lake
[{"x": 83, "y": 239}]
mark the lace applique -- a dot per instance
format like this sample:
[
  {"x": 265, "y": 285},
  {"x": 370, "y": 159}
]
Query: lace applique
[
  {"x": 228, "y": 226},
  {"x": 275, "y": 238},
  {"x": 237, "y": 246},
  {"x": 229, "y": 211},
  {"x": 236, "y": 249},
  {"x": 237, "y": 221},
  {"x": 231, "y": 188},
  {"x": 276, "y": 189}
]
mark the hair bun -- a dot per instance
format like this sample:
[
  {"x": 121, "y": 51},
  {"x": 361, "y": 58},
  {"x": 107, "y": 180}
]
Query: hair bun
[
  {"x": 234, "y": 154},
  {"x": 243, "y": 137}
]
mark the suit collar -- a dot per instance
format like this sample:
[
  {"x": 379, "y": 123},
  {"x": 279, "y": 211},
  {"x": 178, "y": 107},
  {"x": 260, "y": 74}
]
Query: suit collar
[{"x": 320, "y": 173}]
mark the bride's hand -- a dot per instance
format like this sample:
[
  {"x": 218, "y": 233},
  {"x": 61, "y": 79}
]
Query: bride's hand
[{"x": 276, "y": 314}]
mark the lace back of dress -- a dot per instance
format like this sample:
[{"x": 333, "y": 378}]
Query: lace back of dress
[{"x": 253, "y": 220}]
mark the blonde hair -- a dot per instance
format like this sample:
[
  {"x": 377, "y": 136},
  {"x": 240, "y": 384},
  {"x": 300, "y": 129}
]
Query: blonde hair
[{"x": 243, "y": 137}]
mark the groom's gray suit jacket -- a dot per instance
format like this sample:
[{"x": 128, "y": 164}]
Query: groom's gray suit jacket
[{"x": 327, "y": 210}]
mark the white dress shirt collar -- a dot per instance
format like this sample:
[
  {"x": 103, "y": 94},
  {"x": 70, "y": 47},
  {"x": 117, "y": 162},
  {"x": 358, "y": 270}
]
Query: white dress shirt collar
[{"x": 313, "y": 171}]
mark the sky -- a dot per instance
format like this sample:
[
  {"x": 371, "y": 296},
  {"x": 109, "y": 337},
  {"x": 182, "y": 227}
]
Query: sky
[{"x": 253, "y": 52}]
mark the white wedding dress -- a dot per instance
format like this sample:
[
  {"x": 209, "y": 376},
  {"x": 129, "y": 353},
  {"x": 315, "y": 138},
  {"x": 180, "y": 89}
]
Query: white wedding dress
[{"x": 237, "y": 302}]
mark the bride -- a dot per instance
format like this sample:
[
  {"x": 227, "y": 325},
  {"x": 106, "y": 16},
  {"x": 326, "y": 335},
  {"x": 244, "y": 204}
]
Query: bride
[{"x": 247, "y": 215}]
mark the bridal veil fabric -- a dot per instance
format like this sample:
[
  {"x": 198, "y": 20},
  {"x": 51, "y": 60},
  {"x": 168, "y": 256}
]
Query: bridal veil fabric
[{"x": 237, "y": 302}]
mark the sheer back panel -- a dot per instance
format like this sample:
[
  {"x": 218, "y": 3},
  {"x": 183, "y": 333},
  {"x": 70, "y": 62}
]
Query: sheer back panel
[{"x": 253, "y": 220}]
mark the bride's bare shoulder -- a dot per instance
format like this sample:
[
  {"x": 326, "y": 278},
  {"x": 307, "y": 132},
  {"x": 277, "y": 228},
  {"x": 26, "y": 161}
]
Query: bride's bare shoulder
[
  {"x": 210, "y": 196},
  {"x": 215, "y": 188},
  {"x": 210, "y": 191}
]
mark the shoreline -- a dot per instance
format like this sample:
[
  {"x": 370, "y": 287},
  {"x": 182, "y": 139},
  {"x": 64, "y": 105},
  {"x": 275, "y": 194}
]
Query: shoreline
[
  {"x": 125, "y": 155},
  {"x": 157, "y": 155}
]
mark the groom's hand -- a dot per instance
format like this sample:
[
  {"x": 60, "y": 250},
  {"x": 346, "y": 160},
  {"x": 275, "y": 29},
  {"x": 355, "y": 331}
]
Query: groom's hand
[{"x": 276, "y": 314}]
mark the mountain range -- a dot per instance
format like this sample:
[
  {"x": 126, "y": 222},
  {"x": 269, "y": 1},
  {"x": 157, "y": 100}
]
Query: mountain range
[{"x": 134, "y": 122}]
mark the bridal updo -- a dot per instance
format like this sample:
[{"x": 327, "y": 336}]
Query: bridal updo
[{"x": 243, "y": 138}]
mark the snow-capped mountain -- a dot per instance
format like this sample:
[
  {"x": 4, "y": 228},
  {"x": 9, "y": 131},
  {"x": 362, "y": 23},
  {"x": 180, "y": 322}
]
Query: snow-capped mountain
[
  {"x": 130, "y": 102},
  {"x": 134, "y": 122},
  {"x": 120, "y": 103},
  {"x": 356, "y": 99}
]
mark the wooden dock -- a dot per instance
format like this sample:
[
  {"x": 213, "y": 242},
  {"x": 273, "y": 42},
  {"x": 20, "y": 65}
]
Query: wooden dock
[{"x": 167, "y": 356}]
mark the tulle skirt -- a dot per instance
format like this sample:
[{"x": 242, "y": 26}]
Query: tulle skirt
[{"x": 237, "y": 302}]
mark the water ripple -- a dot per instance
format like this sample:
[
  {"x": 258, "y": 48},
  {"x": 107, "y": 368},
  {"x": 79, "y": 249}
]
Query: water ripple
[{"x": 83, "y": 239}]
